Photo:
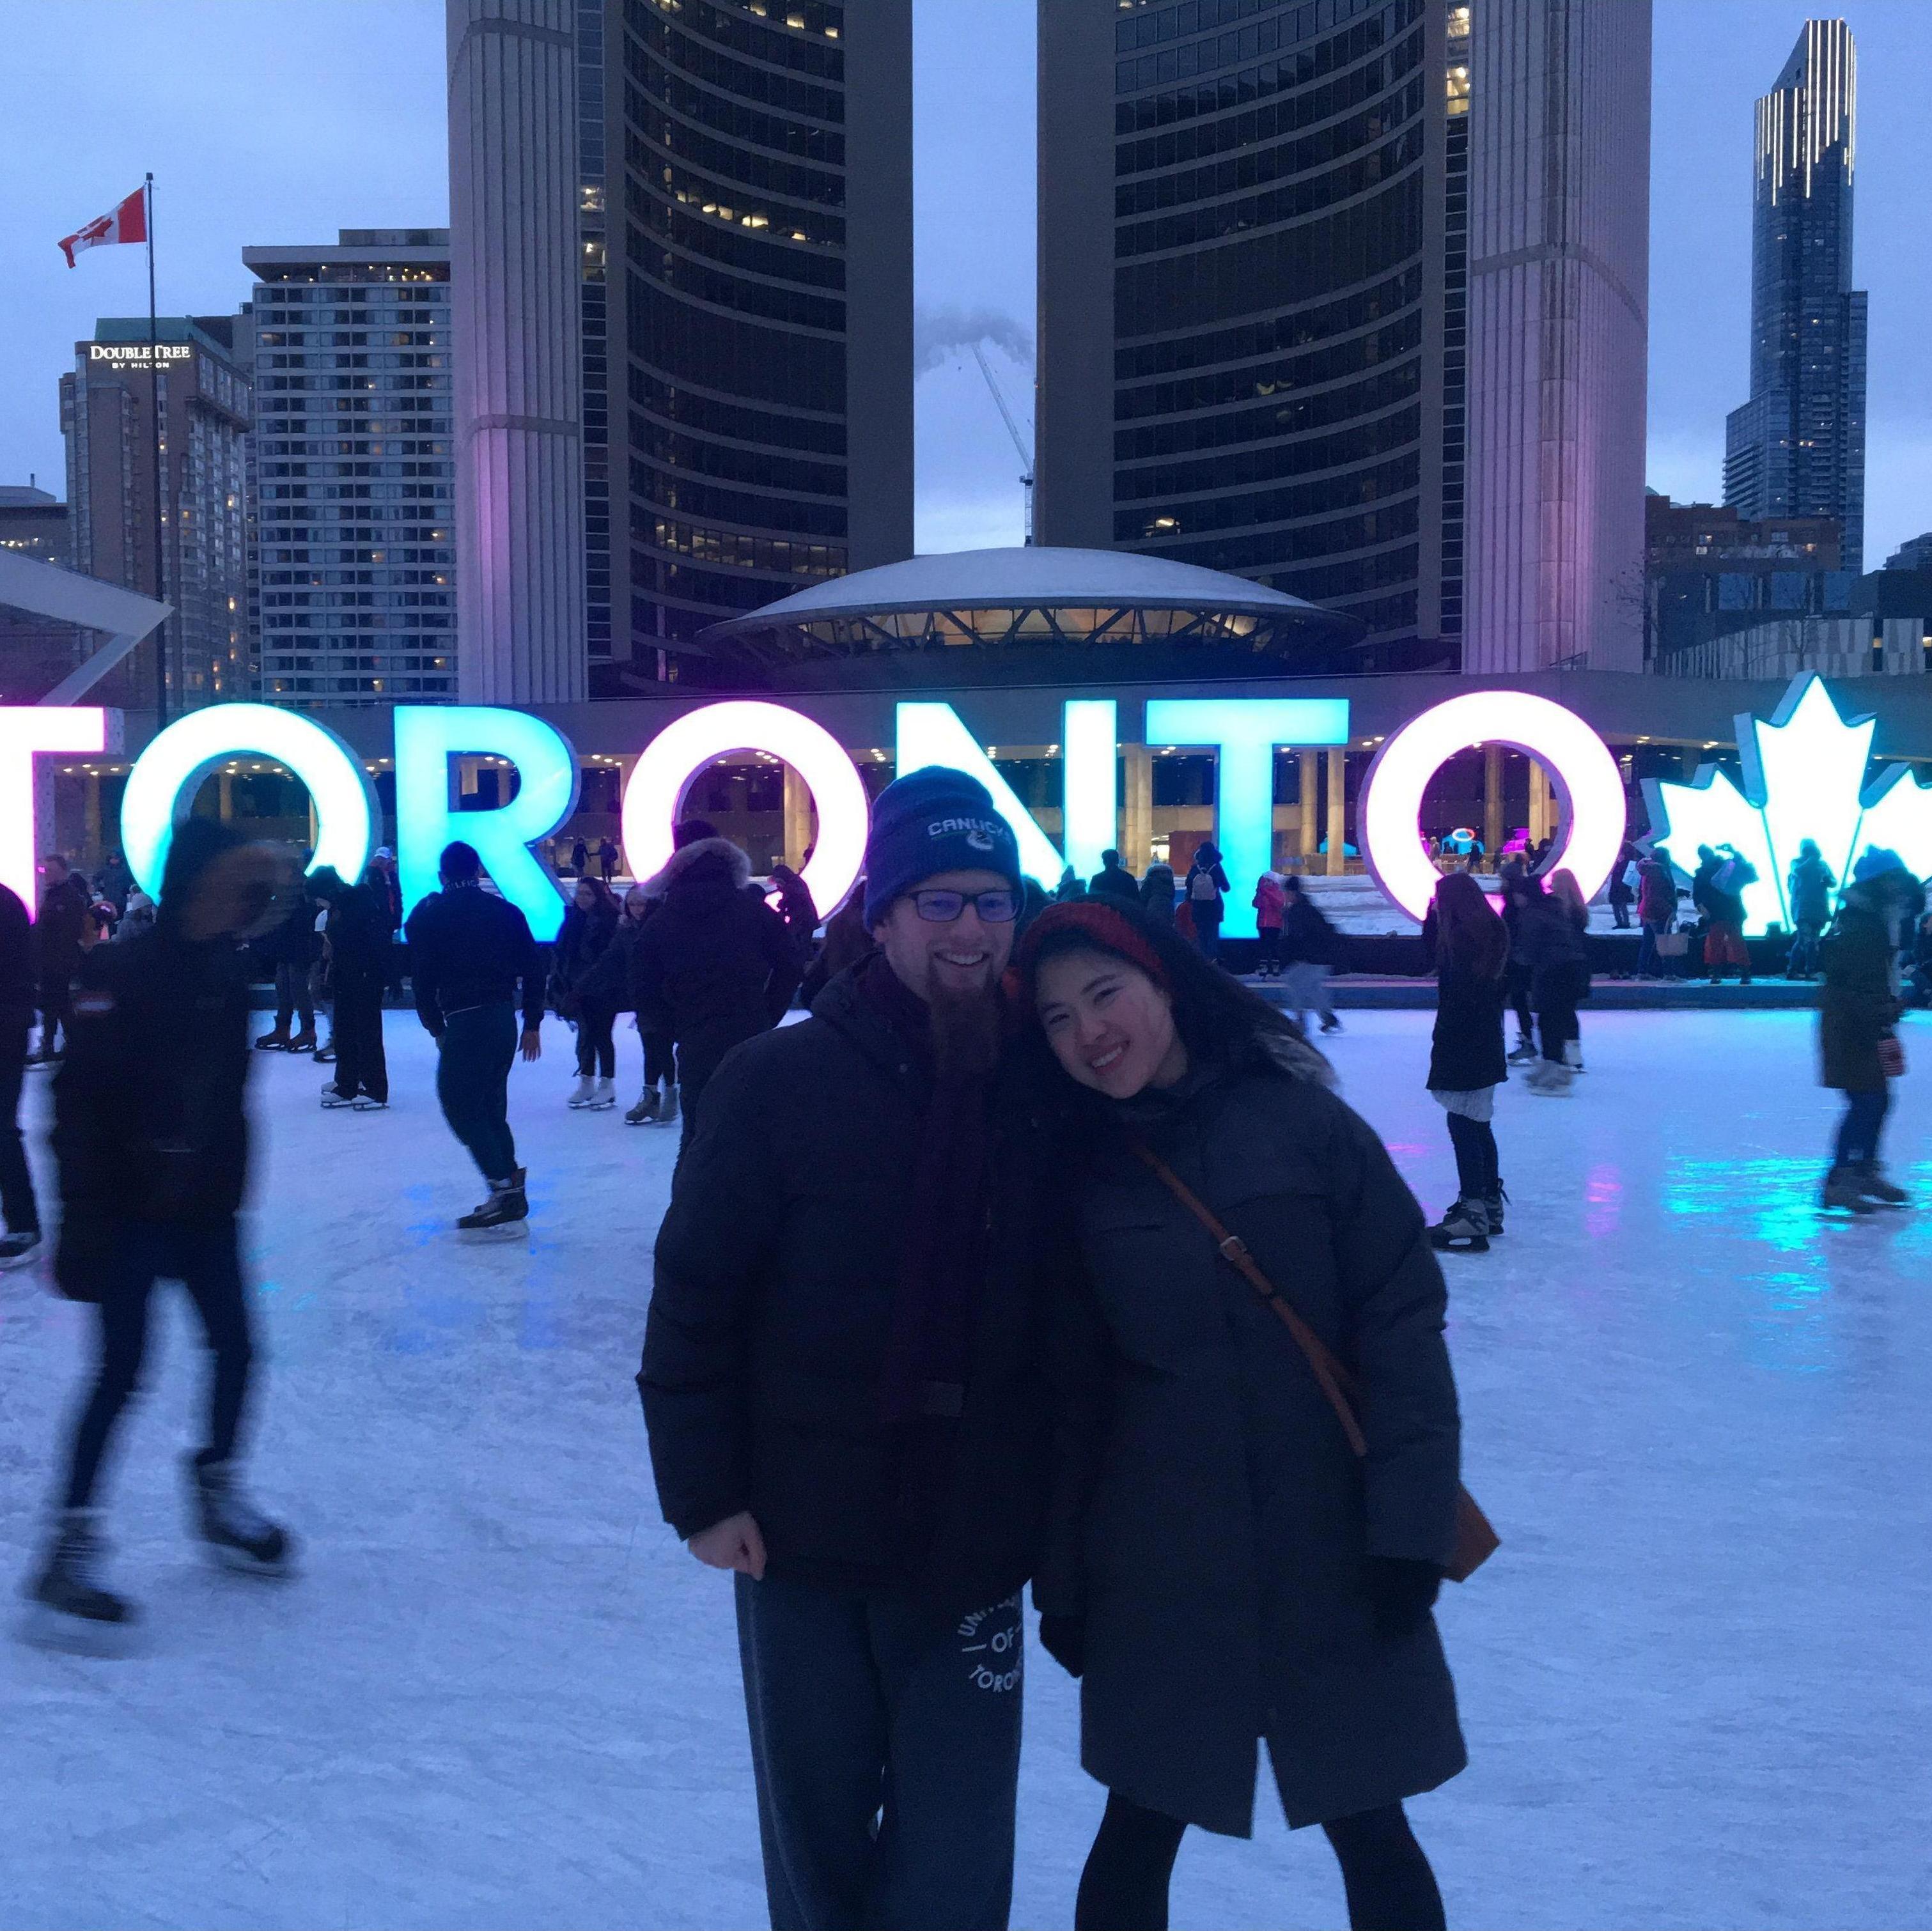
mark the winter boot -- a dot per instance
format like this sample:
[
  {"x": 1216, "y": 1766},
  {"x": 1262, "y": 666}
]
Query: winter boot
[
  {"x": 303, "y": 1041},
  {"x": 646, "y": 1110},
  {"x": 1525, "y": 1049},
  {"x": 276, "y": 1041},
  {"x": 1550, "y": 1078},
  {"x": 1843, "y": 1188},
  {"x": 1572, "y": 1055},
  {"x": 668, "y": 1112},
  {"x": 1872, "y": 1183},
  {"x": 70, "y": 1583},
  {"x": 504, "y": 1212},
  {"x": 1493, "y": 1204},
  {"x": 237, "y": 1533},
  {"x": 581, "y": 1093},
  {"x": 603, "y": 1096},
  {"x": 1464, "y": 1229}
]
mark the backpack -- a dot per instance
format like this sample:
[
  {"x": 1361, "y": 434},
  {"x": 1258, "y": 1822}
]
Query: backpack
[
  {"x": 1734, "y": 875},
  {"x": 1201, "y": 888}
]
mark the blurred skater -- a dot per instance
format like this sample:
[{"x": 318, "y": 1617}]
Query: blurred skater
[
  {"x": 1466, "y": 1055},
  {"x": 151, "y": 1136},
  {"x": 22, "y": 1241},
  {"x": 1809, "y": 888},
  {"x": 1311, "y": 949}
]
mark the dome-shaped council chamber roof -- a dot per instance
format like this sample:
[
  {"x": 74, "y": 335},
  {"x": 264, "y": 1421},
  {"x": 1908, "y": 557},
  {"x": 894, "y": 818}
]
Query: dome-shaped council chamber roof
[{"x": 974, "y": 615}]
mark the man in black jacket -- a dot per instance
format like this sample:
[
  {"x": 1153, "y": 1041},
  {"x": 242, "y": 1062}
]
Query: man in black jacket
[
  {"x": 22, "y": 1239},
  {"x": 469, "y": 952},
  {"x": 1113, "y": 880},
  {"x": 357, "y": 937},
  {"x": 841, "y": 1382},
  {"x": 59, "y": 947},
  {"x": 152, "y": 1139},
  {"x": 713, "y": 965}
]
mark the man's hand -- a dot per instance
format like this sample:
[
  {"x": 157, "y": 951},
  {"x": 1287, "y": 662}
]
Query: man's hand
[
  {"x": 532, "y": 1045},
  {"x": 734, "y": 1543}
]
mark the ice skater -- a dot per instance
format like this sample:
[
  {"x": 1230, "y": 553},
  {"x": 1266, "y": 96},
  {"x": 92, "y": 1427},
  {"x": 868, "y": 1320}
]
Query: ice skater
[
  {"x": 1471, "y": 955},
  {"x": 1207, "y": 1608},
  {"x": 844, "y": 1400},
  {"x": 356, "y": 934},
  {"x": 22, "y": 1241},
  {"x": 1311, "y": 949},
  {"x": 1858, "y": 1027},
  {"x": 590, "y": 926},
  {"x": 470, "y": 952},
  {"x": 151, "y": 1136}
]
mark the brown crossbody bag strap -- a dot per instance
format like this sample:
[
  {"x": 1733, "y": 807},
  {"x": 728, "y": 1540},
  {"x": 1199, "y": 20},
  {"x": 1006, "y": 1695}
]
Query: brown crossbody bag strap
[{"x": 1476, "y": 1540}]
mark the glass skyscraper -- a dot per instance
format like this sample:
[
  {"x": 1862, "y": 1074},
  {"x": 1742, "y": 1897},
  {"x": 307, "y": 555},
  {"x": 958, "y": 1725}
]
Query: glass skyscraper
[{"x": 1797, "y": 448}]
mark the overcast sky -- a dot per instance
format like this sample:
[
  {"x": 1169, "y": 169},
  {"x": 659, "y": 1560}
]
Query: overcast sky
[{"x": 281, "y": 121}]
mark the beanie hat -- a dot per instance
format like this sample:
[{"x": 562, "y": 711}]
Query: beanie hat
[
  {"x": 1874, "y": 861},
  {"x": 932, "y": 820}
]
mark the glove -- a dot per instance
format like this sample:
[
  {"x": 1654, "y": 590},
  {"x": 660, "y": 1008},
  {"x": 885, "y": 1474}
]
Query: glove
[
  {"x": 1064, "y": 1638},
  {"x": 82, "y": 1256},
  {"x": 1401, "y": 1591}
]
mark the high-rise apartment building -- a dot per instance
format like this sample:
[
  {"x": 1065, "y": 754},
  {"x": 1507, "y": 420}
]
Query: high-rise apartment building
[
  {"x": 686, "y": 390},
  {"x": 1797, "y": 448},
  {"x": 106, "y": 407},
  {"x": 1256, "y": 331},
  {"x": 355, "y": 557}
]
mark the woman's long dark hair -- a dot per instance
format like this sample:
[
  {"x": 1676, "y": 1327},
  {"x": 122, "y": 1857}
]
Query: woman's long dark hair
[
  {"x": 1221, "y": 1021},
  {"x": 1469, "y": 935},
  {"x": 604, "y": 900}
]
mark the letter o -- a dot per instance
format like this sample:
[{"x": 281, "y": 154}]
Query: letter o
[
  {"x": 161, "y": 787},
  {"x": 1580, "y": 766},
  {"x": 662, "y": 775}
]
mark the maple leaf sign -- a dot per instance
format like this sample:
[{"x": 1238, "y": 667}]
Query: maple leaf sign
[{"x": 1804, "y": 775}]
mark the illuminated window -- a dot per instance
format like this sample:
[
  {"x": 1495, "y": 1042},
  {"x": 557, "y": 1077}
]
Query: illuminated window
[{"x": 1458, "y": 90}]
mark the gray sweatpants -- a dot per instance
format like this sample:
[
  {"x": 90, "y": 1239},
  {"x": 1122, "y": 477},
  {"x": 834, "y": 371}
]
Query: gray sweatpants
[{"x": 885, "y": 1744}]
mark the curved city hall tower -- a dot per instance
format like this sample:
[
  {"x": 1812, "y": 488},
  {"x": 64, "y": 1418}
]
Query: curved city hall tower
[
  {"x": 515, "y": 329},
  {"x": 1559, "y": 280}
]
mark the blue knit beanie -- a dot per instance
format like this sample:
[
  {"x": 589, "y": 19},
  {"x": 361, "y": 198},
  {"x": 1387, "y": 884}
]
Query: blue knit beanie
[{"x": 932, "y": 820}]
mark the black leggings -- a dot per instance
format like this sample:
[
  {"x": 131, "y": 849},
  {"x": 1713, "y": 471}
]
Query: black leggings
[
  {"x": 206, "y": 1262},
  {"x": 1519, "y": 998},
  {"x": 660, "y": 1062},
  {"x": 1474, "y": 1140},
  {"x": 1389, "y": 1884},
  {"x": 596, "y": 1049}
]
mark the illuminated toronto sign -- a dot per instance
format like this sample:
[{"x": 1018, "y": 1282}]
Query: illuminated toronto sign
[{"x": 1805, "y": 777}]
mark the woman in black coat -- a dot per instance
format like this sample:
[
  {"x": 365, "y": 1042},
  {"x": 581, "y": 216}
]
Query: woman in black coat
[
  {"x": 1206, "y": 892},
  {"x": 1470, "y": 946},
  {"x": 1549, "y": 938},
  {"x": 1221, "y": 1571},
  {"x": 589, "y": 924}
]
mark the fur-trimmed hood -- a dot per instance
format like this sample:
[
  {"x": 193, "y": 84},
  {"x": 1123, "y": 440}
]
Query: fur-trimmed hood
[{"x": 737, "y": 866}]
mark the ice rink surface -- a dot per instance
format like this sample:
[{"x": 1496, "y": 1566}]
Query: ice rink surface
[{"x": 1695, "y": 1681}]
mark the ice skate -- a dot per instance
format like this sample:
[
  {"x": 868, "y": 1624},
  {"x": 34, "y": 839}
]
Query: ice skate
[
  {"x": 667, "y": 1114},
  {"x": 1524, "y": 1049},
  {"x": 1550, "y": 1078},
  {"x": 325, "y": 1053},
  {"x": 1871, "y": 1183},
  {"x": 646, "y": 1110},
  {"x": 368, "y": 1102},
  {"x": 603, "y": 1097},
  {"x": 581, "y": 1093},
  {"x": 276, "y": 1041},
  {"x": 237, "y": 1533},
  {"x": 1572, "y": 1055},
  {"x": 1843, "y": 1188},
  {"x": 1464, "y": 1229},
  {"x": 77, "y": 1610},
  {"x": 1330, "y": 1023},
  {"x": 1493, "y": 1204},
  {"x": 303, "y": 1042},
  {"x": 18, "y": 1250},
  {"x": 333, "y": 1096},
  {"x": 504, "y": 1212}
]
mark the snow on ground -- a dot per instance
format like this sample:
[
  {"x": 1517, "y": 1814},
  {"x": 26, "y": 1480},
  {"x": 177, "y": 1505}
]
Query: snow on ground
[{"x": 1694, "y": 1681}]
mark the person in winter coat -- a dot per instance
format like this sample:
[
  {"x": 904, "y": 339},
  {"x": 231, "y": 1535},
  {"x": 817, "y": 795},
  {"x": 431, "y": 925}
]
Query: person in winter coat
[
  {"x": 1113, "y": 880},
  {"x": 1621, "y": 891},
  {"x": 1656, "y": 909},
  {"x": 1549, "y": 941},
  {"x": 1857, "y": 1036},
  {"x": 1517, "y": 889},
  {"x": 843, "y": 1387},
  {"x": 58, "y": 950},
  {"x": 580, "y": 857},
  {"x": 292, "y": 949},
  {"x": 385, "y": 885},
  {"x": 356, "y": 935},
  {"x": 1069, "y": 889},
  {"x": 1206, "y": 891},
  {"x": 1470, "y": 952},
  {"x": 1718, "y": 891},
  {"x": 1221, "y": 1572},
  {"x": 22, "y": 1239},
  {"x": 610, "y": 984},
  {"x": 795, "y": 908},
  {"x": 714, "y": 966},
  {"x": 1921, "y": 975},
  {"x": 590, "y": 925},
  {"x": 846, "y": 942},
  {"x": 469, "y": 954},
  {"x": 1157, "y": 893},
  {"x": 151, "y": 1135},
  {"x": 1809, "y": 890},
  {"x": 137, "y": 919},
  {"x": 1310, "y": 947},
  {"x": 1270, "y": 901},
  {"x": 607, "y": 860}
]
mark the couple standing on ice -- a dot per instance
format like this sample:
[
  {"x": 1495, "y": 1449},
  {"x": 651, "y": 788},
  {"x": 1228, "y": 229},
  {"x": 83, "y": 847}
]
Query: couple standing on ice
[{"x": 938, "y": 1311}]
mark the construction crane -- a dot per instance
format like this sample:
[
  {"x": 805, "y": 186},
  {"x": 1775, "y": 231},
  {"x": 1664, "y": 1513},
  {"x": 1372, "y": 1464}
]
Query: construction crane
[{"x": 1013, "y": 430}]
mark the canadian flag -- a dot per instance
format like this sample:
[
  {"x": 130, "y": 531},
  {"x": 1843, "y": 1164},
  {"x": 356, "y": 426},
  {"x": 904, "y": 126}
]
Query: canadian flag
[{"x": 127, "y": 223}]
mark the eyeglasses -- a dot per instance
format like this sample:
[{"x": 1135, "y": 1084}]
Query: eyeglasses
[{"x": 941, "y": 908}]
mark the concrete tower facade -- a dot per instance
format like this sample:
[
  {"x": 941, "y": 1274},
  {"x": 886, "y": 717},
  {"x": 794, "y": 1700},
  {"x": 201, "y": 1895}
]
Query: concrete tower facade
[
  {"x": 1559, "y": 282},
  {"x": 515, "y": 330}
]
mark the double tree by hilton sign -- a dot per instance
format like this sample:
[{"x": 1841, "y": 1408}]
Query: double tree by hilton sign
[
  {"x": 1805, "y": 776},
  {"x": 136, "y": 355}
]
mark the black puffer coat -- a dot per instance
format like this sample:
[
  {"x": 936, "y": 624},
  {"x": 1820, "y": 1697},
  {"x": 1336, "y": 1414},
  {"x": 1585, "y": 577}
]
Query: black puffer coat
[
  {"x": 581, "y": 942},
  {"x": 1210, "y": 1523},
  {"x": 1465, "y": 1050},
  {"x": 777, "y": 1268},
  {"x": 1861, "y": 1005}
]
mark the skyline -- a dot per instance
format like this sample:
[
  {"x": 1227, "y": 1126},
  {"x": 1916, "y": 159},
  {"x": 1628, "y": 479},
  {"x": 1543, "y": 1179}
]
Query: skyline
[{"x": 358, "y": 140}]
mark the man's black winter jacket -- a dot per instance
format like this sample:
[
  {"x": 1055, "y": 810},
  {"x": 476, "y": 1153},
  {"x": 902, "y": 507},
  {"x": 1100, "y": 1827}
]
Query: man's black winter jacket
[
  {"x": 469, "y": 948},
  {"x": 777, "y": 1267}
]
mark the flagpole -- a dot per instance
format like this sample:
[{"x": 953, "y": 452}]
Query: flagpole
[{"x": 154, "y": 397}]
